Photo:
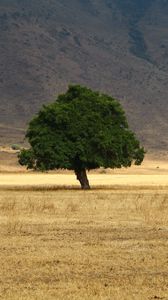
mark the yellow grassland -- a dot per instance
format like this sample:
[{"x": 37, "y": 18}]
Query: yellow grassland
[
  {"x": 72, "y": 244},
  {"x": 58, "y": 242}
]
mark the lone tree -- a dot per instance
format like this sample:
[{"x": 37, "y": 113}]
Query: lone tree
[{"x": 82, "y": 130}]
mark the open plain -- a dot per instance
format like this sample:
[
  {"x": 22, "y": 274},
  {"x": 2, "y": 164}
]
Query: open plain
[{"x": 58, "y": 242}]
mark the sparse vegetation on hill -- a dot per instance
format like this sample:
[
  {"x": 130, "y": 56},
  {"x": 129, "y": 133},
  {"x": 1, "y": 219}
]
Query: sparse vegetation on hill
[{"x": 118, "y": 47}]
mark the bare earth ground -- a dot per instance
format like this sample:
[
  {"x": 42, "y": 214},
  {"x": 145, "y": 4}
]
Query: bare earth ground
[{"x": 63, "y": 243}]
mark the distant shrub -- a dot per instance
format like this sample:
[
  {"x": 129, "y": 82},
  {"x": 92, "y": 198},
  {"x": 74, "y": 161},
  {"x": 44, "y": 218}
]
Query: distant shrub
[
  {"x": 15, "y": 147},
  {"x": 103, "y": 171}
]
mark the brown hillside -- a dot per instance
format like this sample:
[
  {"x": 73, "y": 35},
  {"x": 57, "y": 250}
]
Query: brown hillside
[{"x": 116, "y": 46}]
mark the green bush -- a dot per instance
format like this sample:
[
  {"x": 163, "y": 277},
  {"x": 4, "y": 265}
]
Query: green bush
[{"x": 15, "y": 147}]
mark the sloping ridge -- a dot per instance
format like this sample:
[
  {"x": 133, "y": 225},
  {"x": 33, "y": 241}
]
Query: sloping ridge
[{"x": 116, "y": 46}]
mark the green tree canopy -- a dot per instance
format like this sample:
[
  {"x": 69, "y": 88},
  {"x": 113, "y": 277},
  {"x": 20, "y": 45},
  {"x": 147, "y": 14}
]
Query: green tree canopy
[{"x": 81, "y": 130}]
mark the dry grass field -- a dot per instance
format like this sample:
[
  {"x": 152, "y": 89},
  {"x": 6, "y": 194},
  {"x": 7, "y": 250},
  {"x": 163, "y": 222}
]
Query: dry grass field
[
  {"x": 58, "y": 242},
  {"x": 72, "y": 244}
]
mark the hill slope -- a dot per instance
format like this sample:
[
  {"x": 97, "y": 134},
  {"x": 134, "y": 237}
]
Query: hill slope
[{"x": 116, "y": 46}]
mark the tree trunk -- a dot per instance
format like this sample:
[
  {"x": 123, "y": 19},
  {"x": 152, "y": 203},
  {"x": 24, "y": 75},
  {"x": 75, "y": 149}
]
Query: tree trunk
[{"x": 82, "y": 177}]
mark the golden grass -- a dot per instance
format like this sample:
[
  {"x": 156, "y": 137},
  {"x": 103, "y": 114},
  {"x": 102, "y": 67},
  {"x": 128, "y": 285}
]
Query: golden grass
[
  {"x": 39, "y": 180},
  {"x": 72, "y": 244}
]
